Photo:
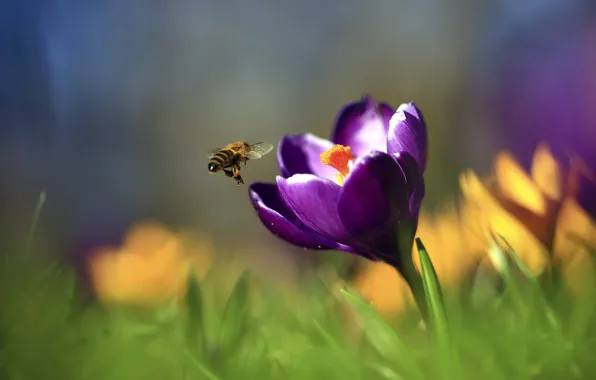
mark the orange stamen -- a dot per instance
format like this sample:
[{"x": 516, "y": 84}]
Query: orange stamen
[{"x": 338, "y": 157}]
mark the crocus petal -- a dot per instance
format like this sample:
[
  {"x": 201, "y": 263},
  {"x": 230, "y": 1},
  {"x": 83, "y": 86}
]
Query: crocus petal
[
  {"x": 412, "y": 109},
  {"x": 363, "y": 126},
  {"x": 314, "y": 200},
  {"x": 375, "y": 187},
  {"x": 407, "y": 133},
  {"x": 279, "y": 219},
  {"x": 373, "y": 201},
  {"x": 489, "y": 215},
  {"x": 547, "y": 172},
  {"x": 301, "y": 154},
  {"x": 516, "y": 186},
  {"x": 414, "y": 180}
]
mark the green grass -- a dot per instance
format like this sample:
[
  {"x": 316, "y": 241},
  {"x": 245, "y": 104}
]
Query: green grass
[{"x": 259, "y": 331}]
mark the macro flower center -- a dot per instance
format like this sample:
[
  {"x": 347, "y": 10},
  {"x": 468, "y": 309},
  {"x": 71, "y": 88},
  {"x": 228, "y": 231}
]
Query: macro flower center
[{"x": 339, "y": 157}]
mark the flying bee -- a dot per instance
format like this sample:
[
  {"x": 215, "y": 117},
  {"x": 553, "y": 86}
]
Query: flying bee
[{"x": 228, "y": 158}]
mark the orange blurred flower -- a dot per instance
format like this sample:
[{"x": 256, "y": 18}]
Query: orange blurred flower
[
  {"x": 151, "y": 265},
  {"x": 385, "y": 288},
  {"x": 454, "y": 250},
  {"x": 536, "y": 213},
  {"x": 575, "y": 235},
  {"x": 520, "y": 206}
]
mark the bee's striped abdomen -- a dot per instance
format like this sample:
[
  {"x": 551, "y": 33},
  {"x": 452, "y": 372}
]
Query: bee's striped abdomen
[{"x": 220, "y": 160}]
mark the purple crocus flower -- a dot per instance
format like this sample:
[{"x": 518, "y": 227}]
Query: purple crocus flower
[{"x": 359, "y": 192}]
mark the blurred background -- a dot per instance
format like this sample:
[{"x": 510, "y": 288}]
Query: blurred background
[{"x": 113, "y": 106}]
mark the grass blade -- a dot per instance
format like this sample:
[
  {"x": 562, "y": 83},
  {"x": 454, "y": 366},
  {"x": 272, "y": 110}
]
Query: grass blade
[
  {"x": 383, "y": 337},
  {"x": 199, "y": 366},
  {"x": 437, "y": 314},
  {"x": 195, "y": 321},
  {"x": 432, "y": 290},
  {"x": 327, "y": 338},
  {"x": 234, "y": 318},
  {"x": 548, "y": 311},
  {"x": 519, "y": 263}
]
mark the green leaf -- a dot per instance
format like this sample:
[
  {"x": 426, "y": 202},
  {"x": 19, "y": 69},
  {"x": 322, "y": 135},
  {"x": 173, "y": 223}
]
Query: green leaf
[
  {"x": 549, "y": 313},
  {"x": 235, "y": 316},
  {"x": 519, "y": 263},
  {"x": 383, "y": 337},
  {"x": 432, "y": 290},
  {"x": 383, "y": 372},
  {"x": 327, "y": 338},
  {"x": 500, "y": 260},
  {"x": 546, "y": 310},
  {"x": 201, "y": 368},
  {"x": 195, "y": 320},
  {"x": 437, "y": 313}
]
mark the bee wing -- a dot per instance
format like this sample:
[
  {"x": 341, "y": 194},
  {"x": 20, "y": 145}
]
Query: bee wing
[{"x": 258, "y": 150}]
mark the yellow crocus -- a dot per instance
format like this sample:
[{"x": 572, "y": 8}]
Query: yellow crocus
[
  {"x": 522, "y": 207},
  {"x": 535, "y": 212},
  {"x": 150, "y": 267},
  {"x": 485, "y": 215},
  {"x": 453, "y": 249},
  {"x": 385, "y": 288},
  {"x": 575, "y": 234}
]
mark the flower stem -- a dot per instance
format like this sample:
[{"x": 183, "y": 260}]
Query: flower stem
[
  {"x": 404, "y": 264},
  {"x": 414, "y": 281}
]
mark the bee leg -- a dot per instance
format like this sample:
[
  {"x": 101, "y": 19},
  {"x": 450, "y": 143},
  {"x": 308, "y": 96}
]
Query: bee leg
[
  {"x": 237, "y": 176},
  {"x": 228, "y": 173}
]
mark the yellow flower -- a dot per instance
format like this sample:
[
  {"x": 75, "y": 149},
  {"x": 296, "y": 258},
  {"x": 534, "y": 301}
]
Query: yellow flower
[
  {"x": 535, "y": 212},
  {"x": 521, "y": 207},
  {"x": 575, "y": 234},
  {"x": 151, "y": 266},
  {"x": 453, "y": 249},
  {"x": 385, "y": 288},
  {"x": 575, "y": 246}
]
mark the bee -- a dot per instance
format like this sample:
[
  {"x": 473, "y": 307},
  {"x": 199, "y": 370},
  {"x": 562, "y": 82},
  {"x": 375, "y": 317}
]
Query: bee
[{"x": 228, "y": 158}]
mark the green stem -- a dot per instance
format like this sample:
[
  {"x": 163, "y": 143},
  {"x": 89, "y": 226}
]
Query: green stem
[
  {"x": 403, "y": 262},
  {"x": 414, "y": 281}
]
